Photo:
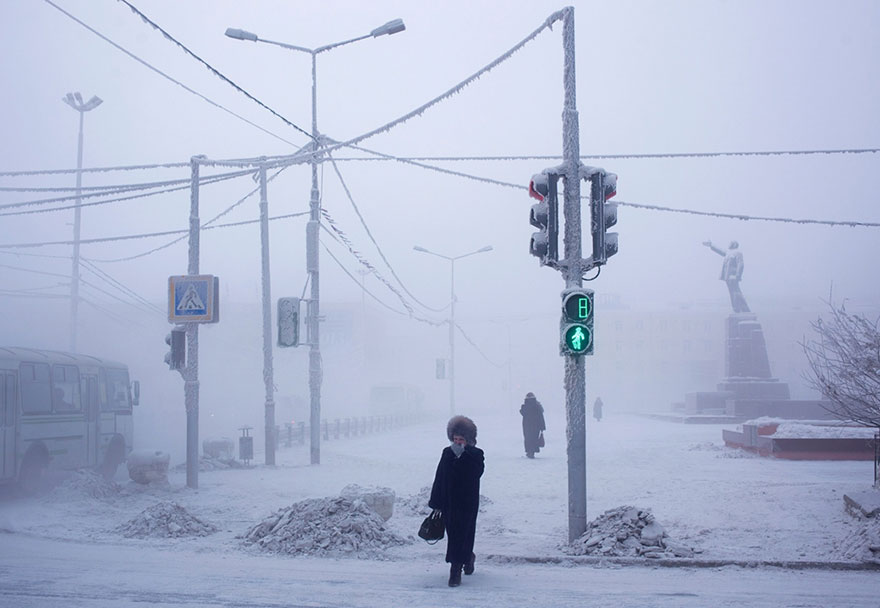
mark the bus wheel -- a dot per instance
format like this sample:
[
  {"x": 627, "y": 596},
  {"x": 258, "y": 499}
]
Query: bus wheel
[
  {"x": 30, "y": 477},
  {"x": 112, "y": 460}
]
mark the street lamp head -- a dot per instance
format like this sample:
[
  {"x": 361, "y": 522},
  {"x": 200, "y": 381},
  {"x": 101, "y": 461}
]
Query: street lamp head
[
  {"x": 392, "y": 27},
  {"x": 422, "y": 249},
  {"x": 93, "y": 103},
  {"x": 75, "y": 101},
  {"x": 238, "y": 34},
  {"x": 484, "y": 249}
]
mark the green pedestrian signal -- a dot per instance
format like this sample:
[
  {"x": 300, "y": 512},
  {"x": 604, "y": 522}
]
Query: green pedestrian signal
[{"x": 576, "y": 325}]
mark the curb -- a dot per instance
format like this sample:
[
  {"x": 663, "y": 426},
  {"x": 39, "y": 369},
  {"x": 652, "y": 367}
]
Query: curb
[{"x": 683, "y": 562}]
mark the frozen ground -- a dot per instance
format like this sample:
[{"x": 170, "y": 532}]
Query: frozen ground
[{"x": 725, "y": 504}]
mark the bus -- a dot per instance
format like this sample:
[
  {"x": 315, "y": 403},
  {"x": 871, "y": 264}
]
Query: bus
[{"x": 62, "y": 411}]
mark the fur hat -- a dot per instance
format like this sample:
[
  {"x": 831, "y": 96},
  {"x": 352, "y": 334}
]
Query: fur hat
[{"x": 464, "y": 426}]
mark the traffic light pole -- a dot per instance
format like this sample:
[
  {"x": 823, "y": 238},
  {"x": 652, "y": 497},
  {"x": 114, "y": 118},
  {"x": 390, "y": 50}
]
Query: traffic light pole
[{"x": 575, "y": 374}]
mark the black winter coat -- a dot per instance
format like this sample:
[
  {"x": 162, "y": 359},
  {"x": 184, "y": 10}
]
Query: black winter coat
[
  {"x": 532, "y": 423},
  {"x": 456, "y": 492}
]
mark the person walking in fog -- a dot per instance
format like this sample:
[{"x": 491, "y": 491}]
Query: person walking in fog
[
  {"x": 532, "y": 424},
  {"x": 456, "y": 494},
  {"x": 597, "y": 409}
]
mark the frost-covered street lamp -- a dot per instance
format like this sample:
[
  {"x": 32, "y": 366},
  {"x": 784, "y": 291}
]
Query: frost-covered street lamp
[
  {"x": 452, "y": 314},
  {"x": 314, "y": 223},
  {"x": 75, "y": 101}
]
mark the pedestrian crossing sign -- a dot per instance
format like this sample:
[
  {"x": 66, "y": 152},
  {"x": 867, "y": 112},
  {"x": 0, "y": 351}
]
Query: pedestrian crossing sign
[{"x": 193, "y": 299}]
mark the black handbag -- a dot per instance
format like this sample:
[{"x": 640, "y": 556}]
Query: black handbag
[{"x": 432, "y": 528}]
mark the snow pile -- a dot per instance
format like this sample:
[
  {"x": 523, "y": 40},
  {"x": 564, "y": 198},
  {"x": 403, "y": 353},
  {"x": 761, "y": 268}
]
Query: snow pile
[
  {"x": 334, "y": 527},
  {"x": 85, "y": 484},
  {"x": 165, "y": 520},
  {"x": 210, "y": 463},
  {"x": 415, "y": 504},
  {"x": 380, "y": 499},
  {"x": 863, "y": 542},
  {"x": 799, "y": 430},
  {"x": 627, "y": 532}
]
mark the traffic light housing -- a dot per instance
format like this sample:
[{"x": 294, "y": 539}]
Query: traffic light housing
[
  {"x": 576, "y": 325},
  {"x": 603, "y": 186},
  {"x": 288, "y": 322},
  {"x": 544, "y": 215},
  {"x": 176, "y": 355}
]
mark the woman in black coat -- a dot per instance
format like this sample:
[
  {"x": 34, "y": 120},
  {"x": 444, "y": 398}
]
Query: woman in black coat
[
  {"x": 456, "y": 494},
  {"x": 532, "y": 423}
]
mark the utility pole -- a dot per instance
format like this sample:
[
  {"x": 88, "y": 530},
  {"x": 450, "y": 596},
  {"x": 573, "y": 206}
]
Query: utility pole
[
  {"x": 268, "y": 373},
  {"x": 191, "y": 375},
  {"x": 74, "y": 100}
]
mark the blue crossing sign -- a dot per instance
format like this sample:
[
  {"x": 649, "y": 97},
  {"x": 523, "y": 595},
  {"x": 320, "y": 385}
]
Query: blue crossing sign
[{"x": 193, "y": 299}]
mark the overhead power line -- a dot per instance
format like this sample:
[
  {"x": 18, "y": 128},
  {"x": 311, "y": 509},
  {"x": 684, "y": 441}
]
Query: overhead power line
[
  {"x": 180, "y": 84},
  {"x": 211, "y": 68},
  {"x": 385, "y": 157}
]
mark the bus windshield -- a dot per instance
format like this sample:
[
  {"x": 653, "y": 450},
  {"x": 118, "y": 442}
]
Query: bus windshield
[{"x": 118, "y": 397}]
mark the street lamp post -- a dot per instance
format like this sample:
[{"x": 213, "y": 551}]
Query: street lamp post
[
  {"x": 314, "y": 224},
  {"x": 452, "y": 314},
  {"x": 75, "y": 101}
]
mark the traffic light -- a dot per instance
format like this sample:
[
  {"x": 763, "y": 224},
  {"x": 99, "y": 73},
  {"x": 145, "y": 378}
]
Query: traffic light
[
  {"x": 576, "y": 326},
  {"x": 604, "y": 215},
  {"x": 176, "y": 355},
  {"x": 545, "y": 216},
  {"x": 288, "y": 322}
]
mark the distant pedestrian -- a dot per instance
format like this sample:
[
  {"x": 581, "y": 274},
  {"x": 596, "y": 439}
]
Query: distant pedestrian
[
  {"x": 456, "y": 494},
  {"x": 532, "y": 424},
  {"x": 597, "y": 409}
]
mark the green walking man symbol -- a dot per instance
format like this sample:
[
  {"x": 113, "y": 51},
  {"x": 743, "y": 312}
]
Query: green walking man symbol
[{"x": 578, "y": 338}]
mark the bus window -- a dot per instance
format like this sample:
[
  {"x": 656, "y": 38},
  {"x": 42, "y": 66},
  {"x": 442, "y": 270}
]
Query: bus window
[
  {"x": 118, "y": 397},
  {"x": 36, "y": 392},
  {"x": 65, "y": 382}
]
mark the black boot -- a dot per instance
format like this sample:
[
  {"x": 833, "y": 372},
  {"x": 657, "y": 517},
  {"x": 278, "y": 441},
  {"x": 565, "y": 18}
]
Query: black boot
[
  {"x": 469, "y": 566},
  {"x": 455, "y": 575}
]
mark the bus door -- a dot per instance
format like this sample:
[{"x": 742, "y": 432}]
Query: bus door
[
  {"x": 8, "y": 407},
  {"x": 90, "y": 404}
]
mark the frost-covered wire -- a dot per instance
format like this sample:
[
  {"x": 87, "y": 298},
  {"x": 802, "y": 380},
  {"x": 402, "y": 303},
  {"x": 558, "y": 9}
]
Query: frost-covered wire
[
  {"x": 509, "y": 157},
  {"x": 738, "y": 216},
  {"x": 93, "y": 169},
  {"x": 377, "y": 299},
  {"x": 757, "y": 218},
  {"x": 129, "y": 237},
  {"x": 181, "y": 184},
  {"x": 477, "y": 348},
  {"x": 180, "y": 84},
  {"x": 127, "y": 321},
  {"x": 338, "y": 234},
  {"x": 204, "y": 226},
  {"x": 211, "y": 68},
  {"x": 104, "y": 276},
  {"x": 370, "y": 234},
  {"x": 42, "y": 272}
]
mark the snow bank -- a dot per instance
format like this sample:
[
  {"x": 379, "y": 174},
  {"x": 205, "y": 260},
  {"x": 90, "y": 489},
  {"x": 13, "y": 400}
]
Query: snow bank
[
  {"x": 797, "y": 430},
  {"x": 326, "y": 527},
  {"x": 627, "y": 532},
  {"x": 165, "y": 520}
]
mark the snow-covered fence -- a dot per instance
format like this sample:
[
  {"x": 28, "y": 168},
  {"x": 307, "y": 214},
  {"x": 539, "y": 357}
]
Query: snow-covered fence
[{"x": 296, "y": 432}]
